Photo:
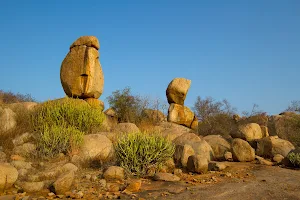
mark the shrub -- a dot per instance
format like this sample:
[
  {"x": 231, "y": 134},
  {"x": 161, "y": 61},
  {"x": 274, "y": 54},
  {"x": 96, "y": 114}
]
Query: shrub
[
  {"x": 58, "y": 139},
  {"x": 66, "y": 112},
  {"x": 136, "y": 152},
  {"x": 10, "y": 97},
  {"x": 294, "y": 158}
]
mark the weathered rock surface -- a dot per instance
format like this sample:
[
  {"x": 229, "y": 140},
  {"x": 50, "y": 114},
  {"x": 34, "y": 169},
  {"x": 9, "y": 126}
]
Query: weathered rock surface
[
  {"x": 96, "y": 147},
  {"x": 81, "y": 73},
  {"x": 8, "y": 175},
  {"x": 248, "y": 132},
  {"x": 182, "y": 153},
  {"x": 219, "y": 145},
  {"x": 126, "y": 128},
  {"x": 64, "y": 183},
  {"x": 7, "y": 119},
  {"x": 264, "y": 131},
  {"x": 165, "y": 177},
  {"x": 95, "y": 103},
  {"x": 197, "y": 163},
  {"x": 25, "y": 150},
  {"x": 216, "y": 166},
  {"x": 31, "y": 186},
  {"x": 180, "y": 114},
  {"x": 272, "y": 145},
  {"x": 278, "y": 158},
  {"x": 177, "y": 90},
  {"x": 242, "y": 151},
  {"x": 114, "y": 173},
  {"x": 154, "y": 116},
  {"x": 24, "y": 138}
]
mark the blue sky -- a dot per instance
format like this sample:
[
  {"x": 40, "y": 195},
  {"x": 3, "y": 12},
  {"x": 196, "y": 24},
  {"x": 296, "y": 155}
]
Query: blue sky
[{"x": 245, "y": 51}]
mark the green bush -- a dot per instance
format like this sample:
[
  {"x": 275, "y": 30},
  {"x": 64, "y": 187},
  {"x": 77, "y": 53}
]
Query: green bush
[
  {"x": 294, "y": 158},
  {"x": 66, "y": 112},
  {"x": 136, "y": 152},
  {"x": 57, "y": 139}
]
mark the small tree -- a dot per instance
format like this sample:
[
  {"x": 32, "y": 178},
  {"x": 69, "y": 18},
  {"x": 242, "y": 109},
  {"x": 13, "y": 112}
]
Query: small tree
[
  {"x": 127, "y": 106},
  {"x": 294, "y": 106}
]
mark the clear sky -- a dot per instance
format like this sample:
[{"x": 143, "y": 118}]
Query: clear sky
[{"x": 245, "y": 51}]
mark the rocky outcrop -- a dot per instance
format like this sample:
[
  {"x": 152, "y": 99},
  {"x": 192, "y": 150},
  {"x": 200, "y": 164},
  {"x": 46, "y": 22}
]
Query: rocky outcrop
[
  {"x": 177, "y": 112},
  {"x": 248, "y": 132},
  {"x": 8, "y": 175},
  {"x": 197, "y": 163},
  {"x": 242, "y": 151},
  {"x": 7, "y": 119},
  {"x": 219, "y": 145},
  {"x": 272, "y": 145},
  {"x": 154, "y": 116},
  {"x": 81, "y": 73},
  {"x": 126, "y": 128}
]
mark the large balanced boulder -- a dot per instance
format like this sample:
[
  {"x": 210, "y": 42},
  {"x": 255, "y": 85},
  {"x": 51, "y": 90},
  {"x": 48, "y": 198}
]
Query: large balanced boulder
[
  {"x": 242, "y": 151},
  {"x": 219, "y": 145},
  {"x": 272, "y": 145},
  {"x": 248, "y": 132},
  {"x": 96, "y": 147},
  {"x": 81, "y": 73},
  {"x": 177, "y": 90},
  {"x": 8, "y": 175},
  {"x": 180, "y": 114}
]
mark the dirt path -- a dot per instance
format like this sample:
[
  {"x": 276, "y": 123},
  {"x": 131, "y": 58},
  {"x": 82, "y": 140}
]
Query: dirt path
[{"x": 248, "y": 181}]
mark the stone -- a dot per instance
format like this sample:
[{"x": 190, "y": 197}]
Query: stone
[
  {"x": 177, "y": 90},
  {"x": 113, "y": 187},
  {"x": 272, "y": 145},
  {"x": 242, "y": 151},
  {"x": 178, "y": 172},
  {"x": 32, "y": 186},
  {"x": 20, "y": 164},
  {"x": 278, "y": 158},
  {"x": 89, "y": 41},
  {"x": 8, "y": 197},
  {"x": 95, "y": 103},
  {"x": 219, "y": 146},
  {"x": 265, "y": 131},
  {"x": 159, "y": 176},
  {"x": 134, "y": 186},
  {"x": 154, "y": 116},
  {"x": 228, "y": 156},
  {"x": 114, "y": 173},
  {"x": 64, "y": 183},
  {"x": 24, "y": 138},
  {"x": 180, "y": 114},
  {"x": 7, "y": 119},
  {"x": 262, "y": 161},
  {"x": 168, "y": 165},
  {"x": 195, "y": 123},
  {"x": 25, "y": 150},
  {"x": 2, "y": 157},
  {"x": 216, "y": 166},
  {"x": 182, "y": 153},
  {"x": 96, "y": 147},
  {"x": 248, "y": 132},
  {"x": 126, "y": 128},
  {"x": 102, "y": 183},
  {"x": 198, "y": 164},
  {"x": 187, "y": 138},
  {"x": 68, "y": 167},
  {"x": 8, "y": 176},
  {"x": 81, "y": 73}
]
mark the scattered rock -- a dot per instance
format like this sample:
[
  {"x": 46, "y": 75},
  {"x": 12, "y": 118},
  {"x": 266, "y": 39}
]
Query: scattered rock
[
  {"x": 242, "y": 151},
  {"x": 177, "y": 90},
  {"x": 126, "y": 128},
  {"x": 278, "y": 158},
  {"x": 219, "y": 146},
  {"x": 2, "y": 157},
  {"x": 182, "y": 153},
  {"x": 96, "y": 147},
  {"x": 134, "y": 186},
  {"x": 248, "y": 132},
  {"x": 228, "y": 156},
  {"x": 19, "y": 164},
  {"x": 8, "y": 175},
  {"x": 272, "y": 145},
  {"x": 165, "y": 177},
  {"x": 63, "y": 183},
  {"x": 114, "y": 173},
  {"x": 32, "y": 186},
  {"x": 25, "y": 150},
  {"x": 25, "y": 137},
  {"x": 262, "y": 161},
  {"x": 197, "y": 163},
  {"x": 216, "y": 166}
]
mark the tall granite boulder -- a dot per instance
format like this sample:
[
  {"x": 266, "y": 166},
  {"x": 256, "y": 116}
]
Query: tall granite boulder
[
  {"x": 81, "y": 73},
  {"x": 177, "y": 90}
]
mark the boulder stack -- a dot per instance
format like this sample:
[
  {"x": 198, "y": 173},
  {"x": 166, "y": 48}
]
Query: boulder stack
[
  {"x": 81, "y": 73},
  {"x": 178, "y": 113}
]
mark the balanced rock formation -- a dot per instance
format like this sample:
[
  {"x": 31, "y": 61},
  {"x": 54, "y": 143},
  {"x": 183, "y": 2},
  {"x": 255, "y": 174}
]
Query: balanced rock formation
[
  {"x": 178, "y": 113},
  {"x": 81, "y": 73}
]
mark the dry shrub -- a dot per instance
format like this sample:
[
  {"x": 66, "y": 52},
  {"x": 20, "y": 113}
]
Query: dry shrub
[{"x": 10, "y": 97}]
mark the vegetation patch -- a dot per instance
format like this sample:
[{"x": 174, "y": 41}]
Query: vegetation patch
[
  {"x": 294, "y": 158},
  {"x": 137, "y": 152}
]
